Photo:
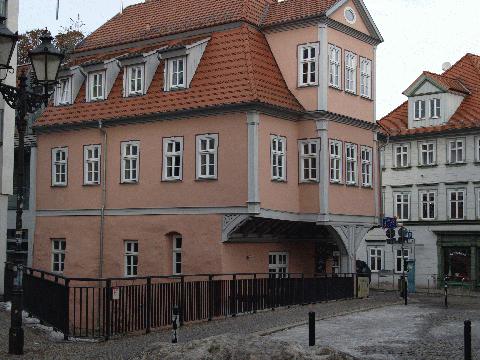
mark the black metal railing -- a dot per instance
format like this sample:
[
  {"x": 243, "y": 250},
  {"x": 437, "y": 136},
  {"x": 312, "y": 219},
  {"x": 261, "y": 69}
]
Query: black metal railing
[{"x": 103, "y": 308}]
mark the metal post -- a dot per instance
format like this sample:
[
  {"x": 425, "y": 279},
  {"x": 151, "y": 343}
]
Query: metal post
[
  {"x": 210, "y": 297},
  {"x": 445, "y": 286},
  {"x": 175, "y": 324},
  {"x": 255, "y": 294},
  {"x": 182, "y": 300},
  {"x": 303, "y": 289},
  {"x": 107, "y": 308},
  {"x": 66, "y": 329},
  {"x": 149, "y": 305},
  {"x": 467, "y": 339},
  {"x": 404, "y": 281},
  {"x": 233, "y": 296},
  {"x": 311, "y": 329}
]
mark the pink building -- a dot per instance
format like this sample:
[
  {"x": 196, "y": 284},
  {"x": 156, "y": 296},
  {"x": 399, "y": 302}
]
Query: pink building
[{"x": 212, "y": 137}]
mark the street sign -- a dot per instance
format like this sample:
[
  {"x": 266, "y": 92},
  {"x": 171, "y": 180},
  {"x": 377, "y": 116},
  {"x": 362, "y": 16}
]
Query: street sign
[
  {"x": 115, "y": 294},
  {"x": 389, "y": 223}
]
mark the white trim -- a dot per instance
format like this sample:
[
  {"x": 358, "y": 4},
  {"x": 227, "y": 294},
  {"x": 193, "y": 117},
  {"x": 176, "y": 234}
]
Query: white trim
[
  {"x": 351, "y": 68},
  {"x": 311, "y": 158},
  {"x": 335, "y": 66},
  {"x": 401, "y": 216},
  {"x": 206, "y": 154},
  {"x": 365, "y": 77},
  {"x": 176, "y": 250},
  {"x": 172, "y": 171},
  {"x": 173, "y": 82},
  {"x": 431, "y": 148},
  {"x": 457, "y": 149},
  {"x": 62, "y": 162},
  {"x": 477, "y": 148},
  {"x": 428, "y": 202},
  {"x": 278, "y": 262},
  {"x": 457, "y": 201},
  {"x": 336, "y": 160},
  {"x": 351, "y": 163},
  {"x": 132, "y": 159},
  {"x": 378, "y": 255},
  {"x": 100, "y": 85},
  {"x": 366, "y": 166},
  {"x": 435, "y": 108},
  {"x": 404, "y": 257},
  {"x": 131, "y": 252},
  {"x": 405, "y": 151},
  {"x": 278, "y": 157},
  {"x": 60, "y": 251},
  {"x": 63, "y": 97},
  {"x": 311, "y": 60},
  {"x": 348, "y": 8},
  {"x": 94, "y": 161},
  {"x": 139, "y": 70}
]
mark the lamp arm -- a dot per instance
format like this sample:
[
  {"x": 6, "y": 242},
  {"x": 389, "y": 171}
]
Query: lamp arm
[{"x": 21, "y": 100}]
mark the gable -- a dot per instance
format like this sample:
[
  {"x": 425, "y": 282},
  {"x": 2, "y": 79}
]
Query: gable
[
  {"x": 338, "y": 14},
  {"x": 426, "y": 87}
]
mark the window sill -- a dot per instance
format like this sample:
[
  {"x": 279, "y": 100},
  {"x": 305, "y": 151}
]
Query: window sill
[
  {"x": 456, "y": 164},
  {"x": 428, "y": 166},
  {"x": 338, "y": 88},
  {"x": 369, "y": 187},
  {"x": 63, "y": 104},
  {"x": 59, "y": 186},
  {"x": 307, "y": 86},
  {"x": 351, "y": 93},
  {"x": 401, "y": 168},
  {"x": 129, "y": 182},
  {"x": 135, "y": 95},
  {"x": 95, "y": 100},
  {"x": 308, "y": 182},
  {"x": 172, "y": 180},
  {"x": 279, "y": 180},
  {"x": 176, "y": 88},
  {"x": 88, "y": 185},
  {"x": 332, "y": 182},
  {"x": 352, "y": 184},
  {"x": 366, "y": 98},
  {"x": 419, "y": 119},
  {"x": 206, "y": 179}
]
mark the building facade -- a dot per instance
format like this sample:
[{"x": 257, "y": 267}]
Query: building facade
[
  {"x": 7, "y": 130},
  {"x": 431, "y": 178},
  {"x": 212, "y": 137}
]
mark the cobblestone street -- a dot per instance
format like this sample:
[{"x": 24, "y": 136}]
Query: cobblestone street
[{"x": 435, "y": 330}]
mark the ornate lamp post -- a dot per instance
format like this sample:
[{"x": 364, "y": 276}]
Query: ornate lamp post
[{"x": 45, "y": 60}]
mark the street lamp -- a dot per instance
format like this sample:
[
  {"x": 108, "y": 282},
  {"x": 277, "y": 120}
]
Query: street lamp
[
  {"x": 46, "y": 60},
  {"x": 8, "y": 40}
]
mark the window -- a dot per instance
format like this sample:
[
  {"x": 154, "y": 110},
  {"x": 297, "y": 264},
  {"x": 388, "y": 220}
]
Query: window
[
  {"x": 308, "y": 65},
  {"x": 135, "y": 80},
  {"x": 456, "y": 204},
  {"x": 427, "y": 153},
  {"x": 428, "y": 205},
  {"x": 278, "y": 152},
  {"x": 376, "y": 259},
  {"x": 477, "y": 145},
  {"x": 335, "y": 161},
  {"x": 177, "y": 254},
  {"x": 278, "y": 264},
  {"x": 131, "y": 258},
  {"x": 478, "y": 203},
  {"x": 176, "y": 73},
  {"x": 351, "y": 163},
  {"x": 64, "y": 91},
  {"x": 1, "y": 126},
  {"x": 402, "y": 206},
  {"x": 335, "y": 69},
  {"x": 350, "y": 72},
  {"x": 3, "y": 8},
  {"x": 207, "y": 146},
  {"x": 309, "y": 151},
  {"x": 58, "y": 255},
  {"x": 91, "y": 171},
  {"x": 400, "y": 261},
  {"x": 59, "y": 166},
  {"x": 130, "y": 161},
  {"x": 402, "y": 155},
  {"x": 419, "y": 111},
  {"x": 365, "y": 78},
  {"x": 456, "y": 151},
  {"x": 97, "y": 88},
  {"x": 435, "y": 108},
  {"x": 367, "y": 166},
  {"x": 172, "y": 158}
]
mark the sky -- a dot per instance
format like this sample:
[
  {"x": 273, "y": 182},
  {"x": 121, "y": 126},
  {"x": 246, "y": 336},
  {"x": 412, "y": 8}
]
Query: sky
[{"x": 419, "y": 34}]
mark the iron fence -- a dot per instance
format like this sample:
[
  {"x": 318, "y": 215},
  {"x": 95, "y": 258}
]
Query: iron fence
[{"x": 104, "y": 308}]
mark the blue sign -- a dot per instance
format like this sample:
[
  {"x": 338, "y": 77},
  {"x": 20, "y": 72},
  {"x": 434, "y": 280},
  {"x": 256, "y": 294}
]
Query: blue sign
[{"x": 389, "y": 223}]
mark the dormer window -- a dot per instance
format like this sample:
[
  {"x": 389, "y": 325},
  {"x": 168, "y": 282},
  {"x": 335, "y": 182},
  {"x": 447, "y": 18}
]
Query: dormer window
[
  {"x": 435, "y": 108},
  {"x": 176, "y": 72},
  {"x": 96, "y": 86},
  {"x": 135, "y": 79},
  {"x": 419, "y": 110},
  {"x": 65, "y": 93}
]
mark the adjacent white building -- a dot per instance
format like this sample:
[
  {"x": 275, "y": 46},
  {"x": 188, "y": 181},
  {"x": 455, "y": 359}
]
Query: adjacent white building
[
  {"x": 7, "y": 126},
  {"x": 431, "y": 179}
]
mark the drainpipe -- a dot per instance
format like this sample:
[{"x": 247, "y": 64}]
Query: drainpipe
[
  {"x": 104, "y": 196},
  {"x": 380, "y": 182}
]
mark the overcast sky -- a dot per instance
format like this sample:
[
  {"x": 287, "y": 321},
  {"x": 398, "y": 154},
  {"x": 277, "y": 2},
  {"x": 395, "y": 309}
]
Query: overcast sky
[{"x": 419, "y": 34}]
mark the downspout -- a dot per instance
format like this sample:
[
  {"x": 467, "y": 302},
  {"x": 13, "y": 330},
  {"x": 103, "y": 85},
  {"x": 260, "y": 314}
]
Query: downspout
[
  {"x": 380, "y": 183},
  {"x": 104, "y": 197}
]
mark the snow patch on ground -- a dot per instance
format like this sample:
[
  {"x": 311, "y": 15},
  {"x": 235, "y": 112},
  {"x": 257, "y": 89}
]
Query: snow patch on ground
[{"x": 237, "y": 348}]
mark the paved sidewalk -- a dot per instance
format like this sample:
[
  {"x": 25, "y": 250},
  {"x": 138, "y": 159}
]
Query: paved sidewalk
[{"x": 41, "y": 346}]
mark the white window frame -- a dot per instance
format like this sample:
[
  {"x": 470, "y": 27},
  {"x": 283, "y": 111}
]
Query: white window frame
[
  {"x": 335, "y": 66},
  {"x": 402, "y": 199},
  {"x": 177, "y": 250},
  {"x": 64, "y": 88},
  {"x": 172, "y": 85},
  {"x": 351, "y": 163},
  {"x": 477, "y": 202},
  {"x": 367, "y": 166},
  {"x": 131, "y": 78},
  {"x": 60, "y": 163},
  {"x": 278, "y": 158},
  {"x": 91, "y": 84},
  {"x": 404, "y": 155},
  {"x": 351, "y": 72},
  {"x": 206, "y": 155},
  {"x": 428, "y": 202},
  {"x": 336, "y": 160},
  {"x": 365, "y": 78},
  {"x": 450, "y": 192},
  {"x": 398, "y": 255},
  {"x": 131, "y": 253},
  {"x": 453, "y": 145},
  {"x": 427, "y": 147},
  {"x": 376, "y": 254},
  {"x": 279, "y": 267},
  {"x": 176, "y": 157},
  {"x": 419, "y": 110},
  {"x": 130, "y": 159},
  {"x": 305, "y": 64},
  {"x": 435, "y": 108},
  {"x": 477, "y": 148},
  {"x": 59, "y": 247},
  {"x": 309, "y": 160},
  {"x": 91, "y": 164}
]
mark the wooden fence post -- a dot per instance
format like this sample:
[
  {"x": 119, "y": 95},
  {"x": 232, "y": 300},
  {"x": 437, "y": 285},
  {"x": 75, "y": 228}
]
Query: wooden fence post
[
  {"x": 108, "y": 296},
  {"x": 149, "y": 305},
  {"x": 233, "y": 296},
  {"x": 182, "y": 300},
  {"x": 66, "y": 328},
  {"x": 210, "y": 297}
]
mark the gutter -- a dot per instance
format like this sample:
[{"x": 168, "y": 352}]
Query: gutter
[{"x": 104, "y": 198}]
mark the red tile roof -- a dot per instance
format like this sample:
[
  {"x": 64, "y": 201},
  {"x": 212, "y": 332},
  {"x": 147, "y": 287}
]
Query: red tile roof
[
  {"x": 464, "y": 74},
  {"x": 290, "y": 10},
  {"x": 237, "y": 67}
]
